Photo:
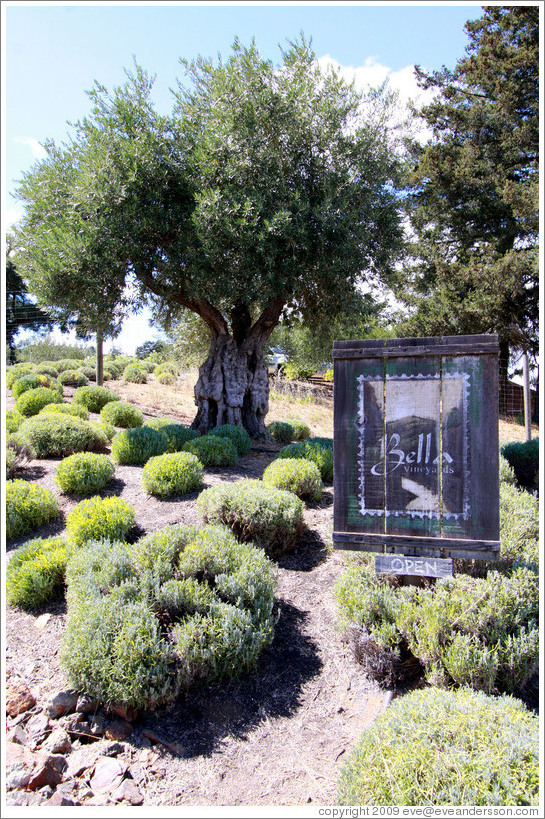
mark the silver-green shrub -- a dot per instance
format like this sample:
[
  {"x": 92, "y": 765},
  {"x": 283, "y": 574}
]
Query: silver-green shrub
[
  {"x": 76, "y": 410},
  {"x": 35, "y": 573},
  {"x": 177, "y": 434},
  {"x": 135, "y": 375},
  {"x": 73, "y": 378},
  {"x": 54, "y": 435},
  {"x": 318, "y": 450},
  {"x": 180, "y": 605},
  {"x": 138, "y": 445},
  {"x": 28, "y": 506},
  {"x": 84, "y": 473},
  {"x": 32, "y": 401},
  {"x": 174, "y": 473},
  {"x": 281, "y": 431},
  {"x": 94, "y": 397},
  {"x": 300, "y": 429},
  {"x": 122, "y": 414},
  {"x": 237, "y": 435},
  {"x": 109, "y": 518},
  {"x": 213, "y": 450},
  {"x": 17, "y": 371},
  {"x": 439, "y": 748},
  {"x": 271, "y": 518},
  {"x": 295, "y": 475},
  {"x": 14, "y": 420}
]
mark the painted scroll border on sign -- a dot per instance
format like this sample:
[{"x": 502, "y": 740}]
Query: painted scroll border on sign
[{"x": 360, "y": 425}]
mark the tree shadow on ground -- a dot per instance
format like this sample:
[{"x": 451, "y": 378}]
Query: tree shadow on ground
[
  {"x": 203, "y": 717},
  {"x": 31, "y": 473},
  {"x": 311, "y": 550}
]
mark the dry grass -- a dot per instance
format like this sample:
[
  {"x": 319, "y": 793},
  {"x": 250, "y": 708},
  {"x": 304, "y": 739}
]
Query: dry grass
[{"x": 177, "y": 401}]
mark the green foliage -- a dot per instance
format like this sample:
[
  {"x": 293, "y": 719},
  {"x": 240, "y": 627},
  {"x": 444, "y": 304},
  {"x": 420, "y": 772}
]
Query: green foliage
[
  {"x": 138, "y": 445},
  {"x": 47, "y": 368},
  {"x": 281, "y": 431},
  {"x": 68, "y": 364},
  {"x": 46, "y": 349},
  {"x": 524, "y": 459},
  {"x": 148, "y": 620},
  {"x": 14, "y": 420},
  {"x": 436, "y": 747},
  {"x": 507, "y": 473},
  {"x": 97, "y": 518},
  {"x": 135, "y": 375},
  {"x": 177, "y": 434},
  {"x": 33, "y": 400},
  {"x": 481, "y": 632},
  {"x": 316, "y": 450},
  {"x": 17, "y": 371},
  {"x": 94, "y": 398},
  {"x": 295, "y": 371},
  {"x": 28, "y": 506},
  {"x": 301, "y": 430},
  {"x": 237, "y": 435},
  {"x": 519, "y": 527},
  {"x": 54, "y": 435},
  {"x": 26, "y": 382},
  {"x": 213, "y": 450},
  {"x": 328, "y": 375},
  {"x": 76, "y": 410},
  {"x": 16, "y": 455},
  {"x": 172, "y": 474},
  {"x": 295, "y": 475},
  {"x": 84, "y": 473},
  {"x": 36, "y": 571},
  {"x": 122, "y": 414},
  {"x": 271, "y": 518},
  {"x": 151, "y": 348},
  {"x": 73, "y": 378},
  {"x": 166, "y": 378}
]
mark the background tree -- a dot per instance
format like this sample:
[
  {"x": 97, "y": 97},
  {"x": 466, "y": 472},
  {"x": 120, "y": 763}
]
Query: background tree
[
  {"x": 22, "y": 313},
  {"x": 474, "y": 189},
  {"x": 269, "y": 188}
]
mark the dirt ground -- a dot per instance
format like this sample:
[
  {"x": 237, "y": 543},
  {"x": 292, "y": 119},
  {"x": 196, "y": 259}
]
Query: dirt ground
[{"x": 275, "y": 737}]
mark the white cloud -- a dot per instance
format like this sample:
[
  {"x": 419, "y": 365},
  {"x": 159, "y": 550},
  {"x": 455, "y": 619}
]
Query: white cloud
[
  {"x": 37, "y": 150},
  {"x": 12, "y": 215}
]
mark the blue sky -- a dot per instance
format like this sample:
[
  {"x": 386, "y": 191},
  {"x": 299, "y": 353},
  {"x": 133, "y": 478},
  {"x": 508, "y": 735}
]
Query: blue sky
[{"x": 53, "y": 53}]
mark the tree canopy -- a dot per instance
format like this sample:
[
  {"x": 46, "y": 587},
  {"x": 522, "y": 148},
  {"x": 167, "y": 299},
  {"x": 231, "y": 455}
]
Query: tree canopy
[
  {"x": 22, "y": 313},
  {"x": 473, "y": 197},
  {"x": 267, "y": 188}
]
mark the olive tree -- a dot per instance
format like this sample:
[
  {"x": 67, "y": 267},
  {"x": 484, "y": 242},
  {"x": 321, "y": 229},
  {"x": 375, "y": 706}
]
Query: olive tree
[{"x": 268, "y": 189}]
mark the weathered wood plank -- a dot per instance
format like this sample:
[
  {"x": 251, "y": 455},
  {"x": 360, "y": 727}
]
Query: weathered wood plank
[
  {"x": 411, "y": 457},
  {"x": 426, "y": 547},
  {"x": 413, "y": 565},
  {"x": 479, "y": 348},
  {"x": 488, "y": 340}
]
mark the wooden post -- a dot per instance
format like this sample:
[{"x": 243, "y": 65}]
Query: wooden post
[
  {"x": 100, "y": 358},
  {"x": 526, "y": 393}
]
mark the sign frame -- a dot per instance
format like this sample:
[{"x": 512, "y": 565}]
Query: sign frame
[{"x": 416, "y": 449}]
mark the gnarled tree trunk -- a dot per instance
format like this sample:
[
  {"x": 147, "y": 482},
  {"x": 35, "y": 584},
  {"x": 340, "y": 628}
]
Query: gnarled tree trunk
[{"x": 233, "y": 383}]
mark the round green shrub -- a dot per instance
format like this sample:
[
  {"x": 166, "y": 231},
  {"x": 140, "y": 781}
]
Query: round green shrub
[
  {"x": 28, "y": 506},
  {"x": 165, "y": 367},
  {"x": 36, "y": 571},
  {"x": 313, "y": 450},
  {"x": 272, "y": 518},
  {"x": 507, "y": 473},
  {"x": 89, "y": 372},
  {"x": 97, "y": 518},
  {"x": 94, "y": 398},
  {"x": 73, "y": 378},
  {"x": 301, "y": 430},
  {"x": 281, "y": 431},
  {"x": 32, "y": 401},
  {"x": 524, "y": 458},
  {"x": 47, "y": 368},
  {"x": 26, "y": 382},
  {"x": 122, "y": 414},
  {"x": 84, "y": 473},
  {"x": 519, "y": 527},
  {"x": 166, "y": 378},
  {"x": 436, "y": 747},
  {"x": 14, "y": 420},
  {"x": 136, "y": 375},
  {"x": 172, "y": 474},
  {"x": 17, "y": 371},
  {"x": 55, "y": 435},
  {"x": 76, "y": 410},
  {"x": 108, "y": 429},
  {"x": 213, "y": 450},
  {"x": 11, "y": 462},
  {"x": 180, "y": 605},
  {"x": 138, "y": 445},
  {"x": 237, "y": 435},
  {"x": 177, "y": 434},
  {"x": 16, "y": 455},
  {"x": 68, "y": 364},
  {"x": 295, "y": 475}
]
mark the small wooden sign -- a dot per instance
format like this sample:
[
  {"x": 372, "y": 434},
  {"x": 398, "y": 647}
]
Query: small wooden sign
[
  {"x": 411, "y": 565},
  {"x": 416, "y": 446}
]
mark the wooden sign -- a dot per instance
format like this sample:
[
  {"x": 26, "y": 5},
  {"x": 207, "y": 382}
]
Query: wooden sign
[
  {"x": 412, "y": 565},
  {"x": 416, "y": 446}
]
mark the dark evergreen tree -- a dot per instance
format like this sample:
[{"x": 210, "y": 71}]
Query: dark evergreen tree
[{"x": 22, "y": 313}]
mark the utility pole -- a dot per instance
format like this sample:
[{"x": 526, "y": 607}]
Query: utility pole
[
  {"x": 526, "y": 394},
  {"x": 100, "y": 358}
]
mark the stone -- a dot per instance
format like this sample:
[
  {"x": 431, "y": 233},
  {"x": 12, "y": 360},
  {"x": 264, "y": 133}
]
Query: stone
[
  {"x": 99, "y": 800},
  {"x": 59, "y": 799},
  {"x": 62, "y": 703},
  {"x": 42, "y": 621},
  {"x": 138, "y": 773},
  {"x": 19, "y": 759},
  {"x": 83, "y": 759},
  {"x": 97, "y": 725},
  {"x": 107, "y": 775},
  {"x": 128, "y": 792},
  {"x": 18, "y": 777},
  {"x": 127, "y": 712},
  {"x": 17, "y": 734},
  {"x": 19, "y": 698},
  {"x": 118, "y": 729},
  {"x": 113, "y": 748},
  {"x": 58, "y": 742},
  {"x": 37, "y": 728},
  {"x": 24, "y": 798},
  {"x": 72, "y": 723},
  {"x": 48, "y": 771},
  {"x": 86, "y": 704}
]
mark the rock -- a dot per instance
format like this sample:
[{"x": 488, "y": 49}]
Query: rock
[
  {"x": 58, "y": 742},
  {"x": 24, "y": 798},
  {"x": 86, "y": 704},
  {"x": 42, "y": 621},
  {"x": 18, "y": 699},
  {"x": 99, "y": 800},
  {"x": 17, "y": 734},
  {"x": 62, "y": 703},
  {"x": 138, "y": 773},
  {"x": 72, "y": 723},
  {"x": 97, "y": 725},
  {"x": 18, "y": 777},
  {"x": 20, "y": 762},
  {"x": 83, "y": 759},
  {"x": 48, "y": 771},
  {"x": 128, "y": 792},
  {"x": 127, "y": 712},
  {"x": 107, "y": 775},
  {"x": 59, "y": 799},
  {"x": 37, "y": 728},
  {"x": 113, "y": 748},
  {"x": 118, "y": 729}
]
